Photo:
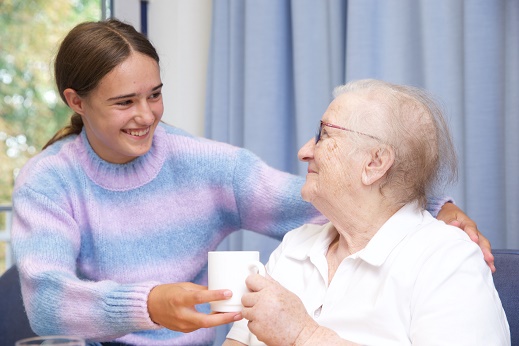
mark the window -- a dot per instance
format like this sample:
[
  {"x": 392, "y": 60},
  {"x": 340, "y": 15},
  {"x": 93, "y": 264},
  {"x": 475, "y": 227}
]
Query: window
[{"x": 31, "y": 111}]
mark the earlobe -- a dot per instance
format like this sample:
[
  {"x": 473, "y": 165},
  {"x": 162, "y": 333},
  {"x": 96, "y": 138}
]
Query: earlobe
[
  {"x": 74, "y": 101},
  {"x": 379, "y": 162},
  {"x": 365, "y": 178}
]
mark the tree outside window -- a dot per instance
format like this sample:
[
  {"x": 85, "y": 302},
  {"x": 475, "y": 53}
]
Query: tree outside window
[{"x": 31, "y": 110}]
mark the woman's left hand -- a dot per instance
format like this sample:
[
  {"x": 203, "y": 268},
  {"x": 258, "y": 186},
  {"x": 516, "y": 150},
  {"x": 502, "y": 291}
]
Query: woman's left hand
[
  {"x": 276, "y": 315},
  {"x": 452, "y": 215}
]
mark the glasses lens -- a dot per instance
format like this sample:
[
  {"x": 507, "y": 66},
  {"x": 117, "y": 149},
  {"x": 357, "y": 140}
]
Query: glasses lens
[{"x": 318, "y": 133}]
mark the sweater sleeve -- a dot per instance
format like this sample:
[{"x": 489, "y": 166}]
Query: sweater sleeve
[
  {"x": 268, "y": 200},
  {"x": 46, "y": 242},
  {"x": 434, "y": 204}
]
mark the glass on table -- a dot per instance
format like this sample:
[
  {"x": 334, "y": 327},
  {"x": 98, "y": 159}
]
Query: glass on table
[{"x": 55, "y": 340}]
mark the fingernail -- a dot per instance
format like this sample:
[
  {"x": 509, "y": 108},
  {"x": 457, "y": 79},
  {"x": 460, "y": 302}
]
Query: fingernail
[
  {"x": 227, "y": 294},
  {"x": 237, "y": 317}
]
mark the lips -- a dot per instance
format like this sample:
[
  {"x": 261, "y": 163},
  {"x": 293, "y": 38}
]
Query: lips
[{"x": 137, "y": 133}]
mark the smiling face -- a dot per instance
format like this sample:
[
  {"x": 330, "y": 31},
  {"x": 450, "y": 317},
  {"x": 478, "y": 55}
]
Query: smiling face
[
  {"x": 120, "y": 115},
  {"x": 334, "y": 167}
]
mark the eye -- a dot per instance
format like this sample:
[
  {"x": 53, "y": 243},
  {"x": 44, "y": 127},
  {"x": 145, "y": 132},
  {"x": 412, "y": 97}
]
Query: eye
[
  {"x": 156, "y": 95},
  {"x": 324, "y": 133},
  {"x": 124, "y": 103}
]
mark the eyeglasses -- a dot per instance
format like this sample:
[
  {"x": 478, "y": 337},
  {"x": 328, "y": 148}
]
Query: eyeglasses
[{"x": 322, "y": 123}]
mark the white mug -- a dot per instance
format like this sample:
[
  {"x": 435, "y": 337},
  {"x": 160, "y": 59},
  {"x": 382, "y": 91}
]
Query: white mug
[{"x": 228, "y": 270}]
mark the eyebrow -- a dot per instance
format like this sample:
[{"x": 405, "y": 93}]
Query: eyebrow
[{"x": 133, "y": 94}]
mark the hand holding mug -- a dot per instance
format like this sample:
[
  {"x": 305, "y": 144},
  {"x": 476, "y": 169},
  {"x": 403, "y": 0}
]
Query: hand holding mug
[
  {"x": 173, "y": 306},
  {"x": 229, "y": 270},
  {"x": 271, "y": 308}
]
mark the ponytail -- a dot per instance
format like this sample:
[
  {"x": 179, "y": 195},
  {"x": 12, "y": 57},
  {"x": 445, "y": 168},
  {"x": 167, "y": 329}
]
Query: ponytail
[{"x": 74, "y": 128}]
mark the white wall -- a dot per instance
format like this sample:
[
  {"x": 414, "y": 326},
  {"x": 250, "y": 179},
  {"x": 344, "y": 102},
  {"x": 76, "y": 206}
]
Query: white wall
[{"x": 180, "y": 31}]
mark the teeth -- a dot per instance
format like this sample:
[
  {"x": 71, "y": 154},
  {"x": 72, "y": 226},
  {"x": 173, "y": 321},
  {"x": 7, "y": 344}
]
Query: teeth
[{"x": 138, "y": 133}]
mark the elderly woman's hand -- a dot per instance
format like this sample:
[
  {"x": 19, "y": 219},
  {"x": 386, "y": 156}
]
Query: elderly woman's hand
[
  {"x": 276, "y": 315},
  {"x": 452, "y": 215}
]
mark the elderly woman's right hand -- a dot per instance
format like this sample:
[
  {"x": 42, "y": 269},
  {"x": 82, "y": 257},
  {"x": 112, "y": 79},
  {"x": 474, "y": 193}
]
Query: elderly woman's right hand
[
  {"x": 173, "y": 306},
  {"x": 276, "y": 315}
]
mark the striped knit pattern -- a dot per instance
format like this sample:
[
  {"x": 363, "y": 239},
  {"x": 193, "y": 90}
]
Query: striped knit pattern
[{"x": 92, "y": 238}]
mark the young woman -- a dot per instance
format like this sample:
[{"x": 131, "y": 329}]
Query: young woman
[{"x": 114, "y": 219}]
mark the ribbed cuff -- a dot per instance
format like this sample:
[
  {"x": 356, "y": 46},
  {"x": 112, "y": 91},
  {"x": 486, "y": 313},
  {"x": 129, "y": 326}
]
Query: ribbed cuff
[{"x": 128, "y": 304}]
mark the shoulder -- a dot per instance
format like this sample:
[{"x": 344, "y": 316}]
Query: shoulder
[
  {"x": 219, "y": 155},
  {"x": 436, "y": 232},
  {"x": 438, "y": 242},
  {"x": 182, "y": 139},
  {"x": 54, "y": 161},
  {"x": 298, "y": 242}
]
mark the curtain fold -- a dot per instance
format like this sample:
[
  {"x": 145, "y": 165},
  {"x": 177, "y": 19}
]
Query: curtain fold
[{"x": 274, "y": 64}]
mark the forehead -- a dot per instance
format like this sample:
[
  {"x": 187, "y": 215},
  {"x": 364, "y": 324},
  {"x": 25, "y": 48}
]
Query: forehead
[
  {"x": 138, "y": 73},
  {"x": 343, "y": 107}
]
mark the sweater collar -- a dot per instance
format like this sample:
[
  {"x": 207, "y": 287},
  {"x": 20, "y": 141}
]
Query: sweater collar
[{"x": 120, "y": 177}]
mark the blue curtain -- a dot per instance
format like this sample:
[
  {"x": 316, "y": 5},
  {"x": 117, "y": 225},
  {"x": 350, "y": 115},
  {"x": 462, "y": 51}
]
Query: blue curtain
[{"x": 274, "y": 63}]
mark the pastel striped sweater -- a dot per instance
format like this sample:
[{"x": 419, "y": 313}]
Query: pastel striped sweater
[{"x": 91, "y": 238}]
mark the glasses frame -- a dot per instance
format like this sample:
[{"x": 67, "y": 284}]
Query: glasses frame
[{"x": 322, "y": 123}]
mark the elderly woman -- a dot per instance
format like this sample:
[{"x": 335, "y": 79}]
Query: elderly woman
[{"x": 383, "y": 271}]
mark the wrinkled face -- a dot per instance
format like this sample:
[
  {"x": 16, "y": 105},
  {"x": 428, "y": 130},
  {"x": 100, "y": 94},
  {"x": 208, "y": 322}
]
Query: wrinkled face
[
  {"x": 334, "y": 168},
  {"x": 121, "y": 114}
]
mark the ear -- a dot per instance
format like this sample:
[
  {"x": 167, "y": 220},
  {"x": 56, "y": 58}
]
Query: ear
[
  {"x": 379, "y": 161},
  {"x": 74, "y": 101}
]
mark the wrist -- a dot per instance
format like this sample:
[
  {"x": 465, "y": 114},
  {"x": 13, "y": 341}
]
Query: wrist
[{"x": 306, "y": 334}]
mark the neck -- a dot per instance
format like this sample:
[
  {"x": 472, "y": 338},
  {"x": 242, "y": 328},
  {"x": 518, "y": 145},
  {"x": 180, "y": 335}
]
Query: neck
[{"x": 356, "y": 224}]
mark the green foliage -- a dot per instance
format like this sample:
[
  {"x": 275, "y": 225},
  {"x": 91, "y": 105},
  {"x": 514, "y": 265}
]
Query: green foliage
[{"x": 31, "y": 110}]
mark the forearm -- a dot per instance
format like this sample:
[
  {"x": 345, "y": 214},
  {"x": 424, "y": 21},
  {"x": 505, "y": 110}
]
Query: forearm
[
  {"x": 319, "y": 335},
  {"x": 268, "y": 200},
  {"x": 46, "y": 241},
  {"x": 58, "y": 303}
]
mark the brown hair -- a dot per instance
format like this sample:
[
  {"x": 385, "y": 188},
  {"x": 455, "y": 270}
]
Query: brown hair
[{"x": 89, "y": 52}]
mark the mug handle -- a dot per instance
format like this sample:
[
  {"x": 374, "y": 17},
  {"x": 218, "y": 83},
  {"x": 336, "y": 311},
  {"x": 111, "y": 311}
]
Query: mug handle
[{"x": 257, "y": 267}]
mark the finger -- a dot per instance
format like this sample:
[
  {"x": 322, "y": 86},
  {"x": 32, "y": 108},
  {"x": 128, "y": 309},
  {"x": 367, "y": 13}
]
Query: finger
[
  {"x": 454, "y": 222},
  {"x": 206, "y": 296},
  {"x": 218, "y": 319},
  {"x": 190, "y": 286},
  {"x": 249, "y": 299},
  {"x": 256, "y": 282},
  {"x": 489, "y": 258},
  {"x": 247, "y": 313},
  {"x": 484, "y": 244},
  {"x": 471, "y": 231},
  {"x": 197, "y": 320}
]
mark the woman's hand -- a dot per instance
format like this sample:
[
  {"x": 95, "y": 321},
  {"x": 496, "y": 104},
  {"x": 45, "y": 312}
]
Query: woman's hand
[
  {"x": 276, "y": 315},
  {"x": 173, "y": 306},
  {"x": 452, "y": 215}
]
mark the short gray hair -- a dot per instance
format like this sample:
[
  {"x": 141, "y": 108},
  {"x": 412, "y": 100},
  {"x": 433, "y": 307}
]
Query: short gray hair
[{"x": 412, "y": 123}]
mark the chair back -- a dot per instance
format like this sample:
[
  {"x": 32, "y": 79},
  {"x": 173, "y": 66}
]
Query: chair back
[
  {"x": 506, "y": 280},
  {"x": 14, "y": 324}
]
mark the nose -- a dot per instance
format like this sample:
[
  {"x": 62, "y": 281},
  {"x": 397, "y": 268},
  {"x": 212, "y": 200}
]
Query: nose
[
  {"x": 306, "y": 153},
  {"x": 145, "y": 113}
]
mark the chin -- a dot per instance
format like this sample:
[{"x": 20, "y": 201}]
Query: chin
[{"x": 306, "y": 194}]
